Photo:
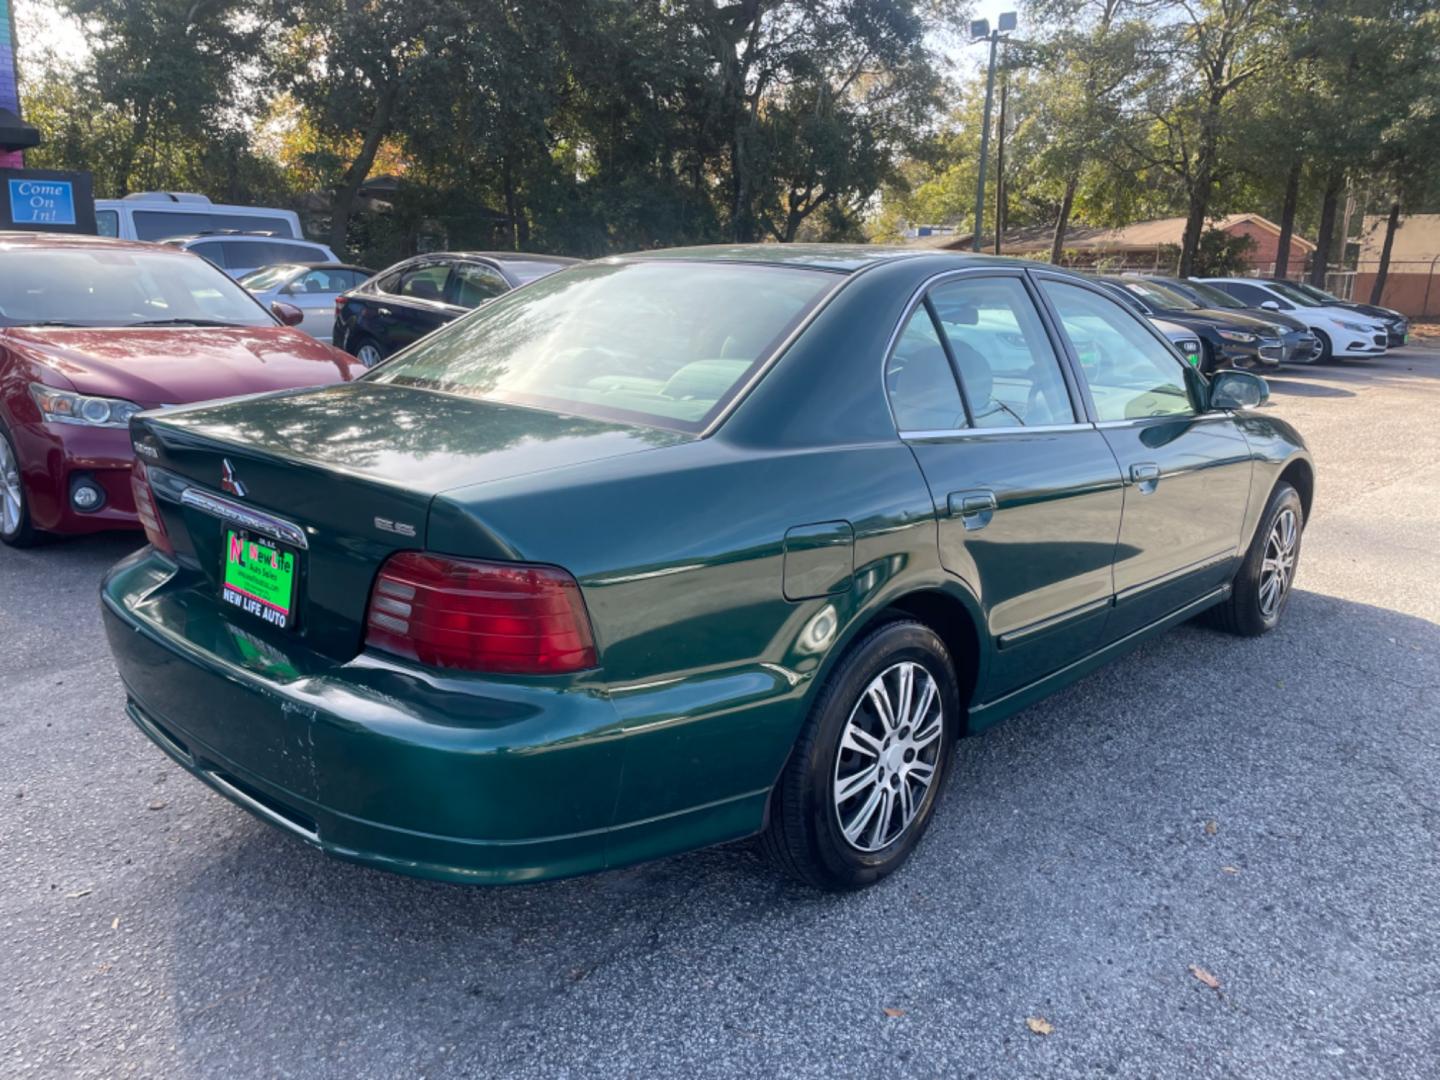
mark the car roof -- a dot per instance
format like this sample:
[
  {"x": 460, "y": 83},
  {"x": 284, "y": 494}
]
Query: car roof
[
  {"x": 18, "y": 238},
  {"x": 845, "y": 258},
  {"x": 190, "y": 238},
  {"x": 321, "y": 265}
]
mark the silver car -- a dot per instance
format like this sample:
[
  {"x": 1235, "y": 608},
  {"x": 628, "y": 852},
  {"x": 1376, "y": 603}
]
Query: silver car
[{"x": 312, "y": 287}]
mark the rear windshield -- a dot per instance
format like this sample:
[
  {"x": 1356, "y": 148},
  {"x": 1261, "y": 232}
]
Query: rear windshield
[
  {"x": 662, "y": 343},
  {"x": 1157, "y": 295},
  {"x": 1208, "y": 295},
  {"x": 269, "y": 276},
  {"x": 1294, "y": 295},
  {"x": 119, "y": 288},
  {"x": 526, "y": 270}
]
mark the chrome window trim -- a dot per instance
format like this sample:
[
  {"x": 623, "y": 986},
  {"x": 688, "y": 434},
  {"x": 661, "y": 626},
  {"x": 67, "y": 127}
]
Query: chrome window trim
[
  {"x": 287, "y": 532},
  {"x": 970, "y": 433}
]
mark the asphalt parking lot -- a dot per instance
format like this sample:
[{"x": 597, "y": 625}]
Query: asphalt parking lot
[{"x": 1267, "y": 812}]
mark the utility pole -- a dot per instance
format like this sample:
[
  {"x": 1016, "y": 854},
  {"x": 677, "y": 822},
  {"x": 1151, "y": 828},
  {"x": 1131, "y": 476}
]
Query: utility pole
[
  {"x": 980, "y": 31},
  {"x": 1000, "y": 167}
]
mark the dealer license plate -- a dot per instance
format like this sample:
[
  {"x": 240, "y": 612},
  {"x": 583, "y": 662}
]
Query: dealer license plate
[{"x": 259, "y": 578}]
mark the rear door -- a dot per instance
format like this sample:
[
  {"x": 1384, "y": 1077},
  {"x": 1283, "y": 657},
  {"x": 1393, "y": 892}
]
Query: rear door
[
  {"x": 314, "y": 292},
  {"x": 418, "y": 305},
  {"x": 1026, "y": 491},
  {"x": 1186, "y": 473}
]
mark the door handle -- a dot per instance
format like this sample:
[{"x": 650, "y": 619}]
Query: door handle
[
  {"x": 973, "y": 508},
  {"x": 385, "y": 311},
  {"x": 1145, "y": 475}
]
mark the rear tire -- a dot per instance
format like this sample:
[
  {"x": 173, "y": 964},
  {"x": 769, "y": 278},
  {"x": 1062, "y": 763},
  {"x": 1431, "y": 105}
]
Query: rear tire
[
  {"x": 1262, "y": 586},
  {"x": 15, "y": 528},
  {"x": 863, "y": 780},
  {"x": 368, "y": 351}
]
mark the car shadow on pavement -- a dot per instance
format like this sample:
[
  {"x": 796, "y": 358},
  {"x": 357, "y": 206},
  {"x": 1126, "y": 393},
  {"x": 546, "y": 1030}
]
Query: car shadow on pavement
[{"x": 1252, "y": 806}]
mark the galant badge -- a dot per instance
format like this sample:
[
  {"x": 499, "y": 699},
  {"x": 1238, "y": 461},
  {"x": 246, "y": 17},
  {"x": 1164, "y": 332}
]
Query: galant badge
[{"x": 228, "y": 481}]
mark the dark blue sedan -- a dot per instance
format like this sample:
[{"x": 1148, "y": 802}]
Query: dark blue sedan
[{"x": 404, "y": 303}]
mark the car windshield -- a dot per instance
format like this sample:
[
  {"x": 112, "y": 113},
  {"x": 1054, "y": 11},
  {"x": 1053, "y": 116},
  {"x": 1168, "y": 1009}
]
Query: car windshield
[
  {"x": 1209, "y": 296},
  {"x": 1294, "y": 295},
  {"x": 100, "y": 287},
  {"x": 667, "y": 344},
  {"x": 1157, "y": 295},
  {"x": 268, "y": 277}
]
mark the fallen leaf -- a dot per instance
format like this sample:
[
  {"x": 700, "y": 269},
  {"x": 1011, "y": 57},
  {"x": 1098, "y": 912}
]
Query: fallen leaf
[
  {"x": 158, "y": 804},
  {"x": 894, "y": 1014},
  {"x": 1205, "y": 977},
  {"x": 1211, "y": 828},
  {"x": 78, "y": 893},
  {"x": 115, "y": 923},
  {"x": 1230, "y": 869},
  {"x": 1039, "y": 1025}
]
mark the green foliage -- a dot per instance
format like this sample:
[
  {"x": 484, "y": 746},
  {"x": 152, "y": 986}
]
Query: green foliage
[
  {"x": 582, "y": 126},
  {"x": 1222, "y": 254}
]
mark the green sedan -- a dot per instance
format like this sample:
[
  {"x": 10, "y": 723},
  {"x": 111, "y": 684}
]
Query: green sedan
[{"x": 666, "y": 550}]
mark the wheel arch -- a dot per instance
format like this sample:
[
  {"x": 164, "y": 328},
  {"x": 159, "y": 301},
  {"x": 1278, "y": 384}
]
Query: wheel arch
[
  {"x": 946, "y": 608},
  {"x": 1300, "y": 475}
]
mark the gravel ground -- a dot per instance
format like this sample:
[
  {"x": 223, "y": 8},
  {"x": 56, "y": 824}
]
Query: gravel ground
[{"x": 1266, "y": 811}]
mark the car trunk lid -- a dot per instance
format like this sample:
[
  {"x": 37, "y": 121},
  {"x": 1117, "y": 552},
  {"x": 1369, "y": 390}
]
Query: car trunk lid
[{"x": 344, "y": 477}]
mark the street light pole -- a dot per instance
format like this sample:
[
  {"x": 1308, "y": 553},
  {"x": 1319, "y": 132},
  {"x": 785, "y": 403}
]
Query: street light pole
[{"x": 985, "y": 144}]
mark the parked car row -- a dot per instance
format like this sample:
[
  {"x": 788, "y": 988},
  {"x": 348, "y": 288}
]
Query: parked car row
[{"x": 1252, "y": 323}]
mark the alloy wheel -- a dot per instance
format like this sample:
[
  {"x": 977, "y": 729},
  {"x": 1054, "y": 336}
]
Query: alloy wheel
[
  {"x": 889, "y": 754},
  {"x": 368, "y": 354},
  {"x": 1277, "y": 570},
  {"x": 11, "y": 497}
]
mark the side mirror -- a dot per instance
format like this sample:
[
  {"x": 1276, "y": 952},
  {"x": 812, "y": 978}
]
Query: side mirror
[
  {"x": 1238, "y": 390},
  {"x": 288, "y": 314},
  {"x": 1270, "y": 305}
]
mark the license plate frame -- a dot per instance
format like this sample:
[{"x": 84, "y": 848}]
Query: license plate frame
[{"x": 260, "y": 576}]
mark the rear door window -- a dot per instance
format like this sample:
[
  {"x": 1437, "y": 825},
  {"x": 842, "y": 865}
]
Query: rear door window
[
  {"x": 923, "y": 393},
  {"x": 474, "y": 283},
  {"x": 1009, "y": 371},
  {"x": 426, "y": 282}
]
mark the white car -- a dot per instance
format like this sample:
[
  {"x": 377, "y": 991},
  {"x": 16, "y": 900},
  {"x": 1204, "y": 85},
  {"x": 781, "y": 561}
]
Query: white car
[
  {"x": 1340, "y": 331},
  {"x": 239, "y": 253}
]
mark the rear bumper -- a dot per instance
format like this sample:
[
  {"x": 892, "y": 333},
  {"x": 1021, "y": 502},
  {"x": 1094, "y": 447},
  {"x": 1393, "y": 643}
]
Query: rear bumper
[{"x": 456, "y": 779}]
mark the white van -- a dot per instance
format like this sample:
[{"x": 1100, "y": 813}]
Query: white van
[{"x": 159, "y": 215}]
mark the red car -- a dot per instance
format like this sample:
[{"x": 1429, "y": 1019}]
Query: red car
[{"x": 94, "y": 330}]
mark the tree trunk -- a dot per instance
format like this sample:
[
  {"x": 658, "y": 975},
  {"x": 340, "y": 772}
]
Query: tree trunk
[
  {"x": 1287, "y": 220},
  {"x": 1320, "y": 261},
  {"x": 1391, "y": 224},
  {"x": 1062, "y": 222},
  {"x": 1194, "y": 225},
  {"x": 349, "y": 188}
]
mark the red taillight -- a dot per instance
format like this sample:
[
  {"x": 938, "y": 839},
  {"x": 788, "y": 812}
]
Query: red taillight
[
  {"x": 147, "y": 511},
  {"x": 506, "y": 618}
]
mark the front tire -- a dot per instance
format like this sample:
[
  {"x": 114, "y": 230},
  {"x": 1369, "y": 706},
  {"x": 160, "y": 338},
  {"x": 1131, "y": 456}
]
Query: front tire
[
  {"x": 1327, "y": 350},
  {"x": 862, "y": 783},
  {"x": 1262, "y": 586},
  {"x": 15, "y": 528}
]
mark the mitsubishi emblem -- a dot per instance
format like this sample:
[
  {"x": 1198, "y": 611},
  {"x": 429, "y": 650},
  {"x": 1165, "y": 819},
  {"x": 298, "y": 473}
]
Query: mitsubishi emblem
[{"x": 228, "y": 482}]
